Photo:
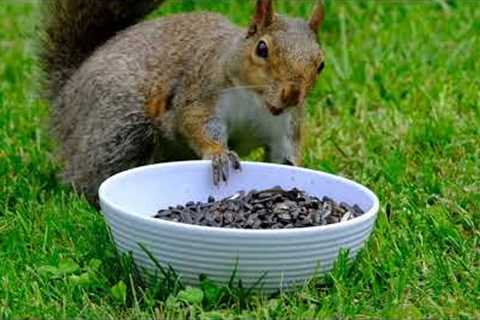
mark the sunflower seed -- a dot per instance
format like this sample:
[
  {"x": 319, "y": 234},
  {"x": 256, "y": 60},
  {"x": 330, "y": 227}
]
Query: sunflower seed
[{"x": 273, "y": 208}]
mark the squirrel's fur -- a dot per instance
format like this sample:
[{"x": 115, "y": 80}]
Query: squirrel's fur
[{"x": 181, "y": 87}]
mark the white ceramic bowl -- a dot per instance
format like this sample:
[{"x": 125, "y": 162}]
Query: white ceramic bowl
[{"x": 287, "y": 256}]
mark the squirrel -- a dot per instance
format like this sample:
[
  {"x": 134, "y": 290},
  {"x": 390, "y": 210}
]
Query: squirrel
[{"x": 126, "y": 92}]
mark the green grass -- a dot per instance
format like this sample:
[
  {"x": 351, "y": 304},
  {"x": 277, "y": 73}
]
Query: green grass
[{"x": 397, "y": 109}]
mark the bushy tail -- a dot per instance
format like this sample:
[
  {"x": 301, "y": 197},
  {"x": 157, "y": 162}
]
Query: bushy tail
[{"x": 73, "y": 29}]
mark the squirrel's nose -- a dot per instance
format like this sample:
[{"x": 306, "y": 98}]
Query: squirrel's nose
[{"x": 291, "y": 95}]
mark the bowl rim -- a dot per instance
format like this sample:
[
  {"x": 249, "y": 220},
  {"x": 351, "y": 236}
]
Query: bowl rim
[{"x": 104, "y": 201}]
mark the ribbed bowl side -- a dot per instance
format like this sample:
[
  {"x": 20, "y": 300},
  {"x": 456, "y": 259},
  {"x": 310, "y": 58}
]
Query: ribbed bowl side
[{"x": 282, "y": 260}]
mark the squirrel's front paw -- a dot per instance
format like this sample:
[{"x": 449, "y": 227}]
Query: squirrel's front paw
[
  {"x": 289, "y": 162},
  {"x": 221, "y": 163}
]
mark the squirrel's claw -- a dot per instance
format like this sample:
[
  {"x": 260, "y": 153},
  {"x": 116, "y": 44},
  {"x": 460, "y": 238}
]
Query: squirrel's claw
[
  {"x": 221, "y": 166},
  {"x": 234, "y": 160}
]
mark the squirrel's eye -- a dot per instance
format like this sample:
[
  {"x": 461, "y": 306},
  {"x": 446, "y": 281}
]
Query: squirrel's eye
[
  {"x": 320, "y": 67},
  {"x": 262, "y": 49}
]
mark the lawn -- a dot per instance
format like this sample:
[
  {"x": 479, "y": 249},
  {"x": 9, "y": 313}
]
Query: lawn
[{"x": 397, "y": 109}]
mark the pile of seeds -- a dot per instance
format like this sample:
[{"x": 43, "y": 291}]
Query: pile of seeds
[{"x": 267, "y": 209}]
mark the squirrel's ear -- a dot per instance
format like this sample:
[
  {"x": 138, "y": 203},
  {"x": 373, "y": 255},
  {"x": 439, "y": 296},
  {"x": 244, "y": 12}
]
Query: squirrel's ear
[
  {"x": 316, "y": 19},
  {"x": 263, "y": 16}
]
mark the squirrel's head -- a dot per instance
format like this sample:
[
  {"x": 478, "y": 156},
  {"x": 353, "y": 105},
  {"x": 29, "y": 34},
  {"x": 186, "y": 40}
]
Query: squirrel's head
[{"x": 281, "y": 58}]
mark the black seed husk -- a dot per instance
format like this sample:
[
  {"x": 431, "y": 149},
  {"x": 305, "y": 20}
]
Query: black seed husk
[{"x": 273, "y": 208}]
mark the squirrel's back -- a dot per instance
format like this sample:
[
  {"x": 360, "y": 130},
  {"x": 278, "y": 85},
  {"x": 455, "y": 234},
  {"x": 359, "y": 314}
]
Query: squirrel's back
[
  {"x": 138, "y": 62},
  {"x": 177, "y": 37}
]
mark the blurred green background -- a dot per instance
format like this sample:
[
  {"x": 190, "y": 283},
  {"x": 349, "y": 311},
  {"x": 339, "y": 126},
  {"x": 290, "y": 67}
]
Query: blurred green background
[{"x": 397, "y": 109}]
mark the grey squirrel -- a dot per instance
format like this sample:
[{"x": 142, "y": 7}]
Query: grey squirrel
[{"x": 188, "y": 86}]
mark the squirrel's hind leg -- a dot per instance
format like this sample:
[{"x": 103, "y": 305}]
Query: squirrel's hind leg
[{"x": 104, "y": 151}]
